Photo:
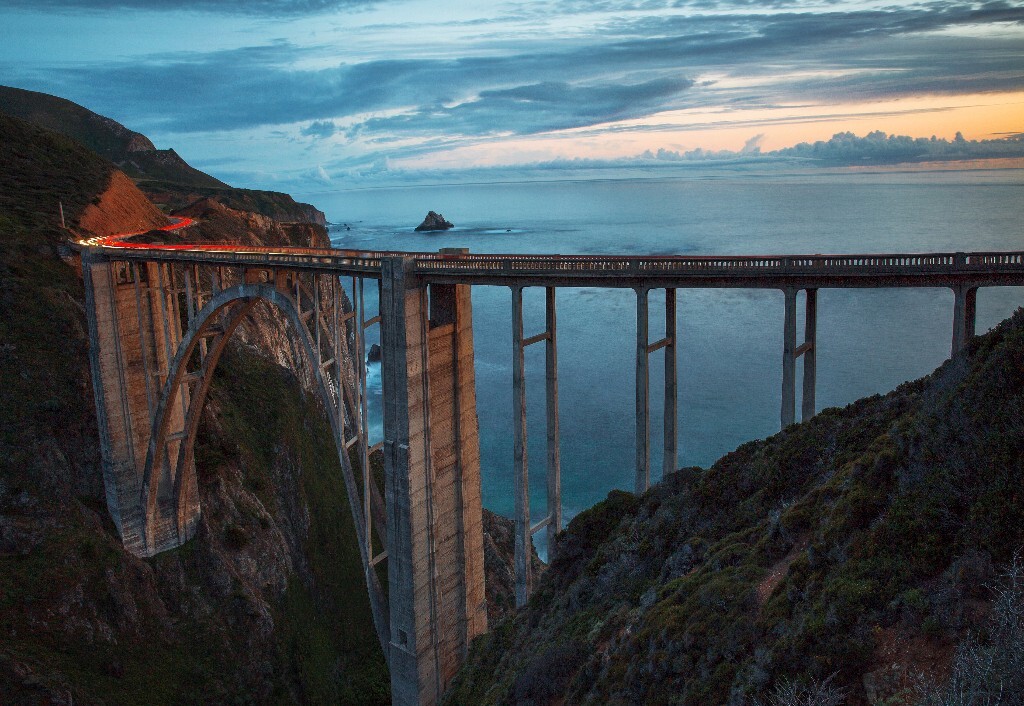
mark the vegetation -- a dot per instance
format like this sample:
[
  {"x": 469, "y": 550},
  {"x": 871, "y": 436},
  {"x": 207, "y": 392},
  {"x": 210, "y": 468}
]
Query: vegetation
[
  {"x": 327, "y": 639},
  {"x": 851, "y": 550}
]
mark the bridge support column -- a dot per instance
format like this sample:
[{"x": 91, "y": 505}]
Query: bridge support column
[
  {"x": 520, "y": 462},
  {"x": 554, "y": 451},
  {"x": 643, "y": 404},
  {"x": 790, "y": 352},
  {"x": 644, "y": 348},
  {"x": 810, "y": 353},
  {"x": 524, "y": 530},
  {"x": 432, "y": 469},
  {"x": 670, "y": 463},
  {"x": 788, "y": 415},
  {"x": 965, "y": 300}
]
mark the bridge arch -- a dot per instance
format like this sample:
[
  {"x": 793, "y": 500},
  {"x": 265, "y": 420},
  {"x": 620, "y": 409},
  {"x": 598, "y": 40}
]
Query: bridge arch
[{"x": 215, "y": 323}]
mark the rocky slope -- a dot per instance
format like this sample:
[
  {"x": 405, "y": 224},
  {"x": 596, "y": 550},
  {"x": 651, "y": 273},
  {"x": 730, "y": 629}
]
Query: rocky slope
[{"x": 856, "y": 550}]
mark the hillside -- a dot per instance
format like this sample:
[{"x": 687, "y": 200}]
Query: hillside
[
  {"x": 266, "y": 604},
  {"x": 857, "y": 550},
  {"x": 163, "y": 175}
]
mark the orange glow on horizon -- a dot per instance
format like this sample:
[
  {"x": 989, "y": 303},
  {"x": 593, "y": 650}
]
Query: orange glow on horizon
[{"x": 977, "y": 116}]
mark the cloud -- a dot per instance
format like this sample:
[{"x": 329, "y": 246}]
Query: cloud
[
  {"x": 878, "y": 148},
  {"x": 753, "y": 145},
  {"x": 320, "y": 128},
  {"x": 272, "y": 8},
  {"x": 635, "y": 61},
  {"x": 534, "y": 108}
]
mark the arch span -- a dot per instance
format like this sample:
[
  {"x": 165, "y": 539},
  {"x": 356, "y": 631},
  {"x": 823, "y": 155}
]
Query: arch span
[{"x": 211, "y": 329}]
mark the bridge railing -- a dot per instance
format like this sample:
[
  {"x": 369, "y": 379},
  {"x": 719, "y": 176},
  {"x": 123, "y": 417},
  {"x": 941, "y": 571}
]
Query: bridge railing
[
  {"x": 670, "y": 264},
  {"x": 369, "y": 261}
]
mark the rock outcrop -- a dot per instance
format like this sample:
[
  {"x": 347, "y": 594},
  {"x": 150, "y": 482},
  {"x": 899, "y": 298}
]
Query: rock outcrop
[{"x": 434, "y": 221}]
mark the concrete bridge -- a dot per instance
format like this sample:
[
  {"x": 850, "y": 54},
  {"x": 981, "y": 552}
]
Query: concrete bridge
[{"x": 161, "y": 315}]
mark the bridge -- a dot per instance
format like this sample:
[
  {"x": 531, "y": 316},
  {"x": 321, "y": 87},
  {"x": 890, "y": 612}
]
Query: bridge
[{"x": 160, "y": 317}]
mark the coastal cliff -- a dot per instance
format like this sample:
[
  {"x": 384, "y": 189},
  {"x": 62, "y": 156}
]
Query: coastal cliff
[{"x": 266, "y": 603}]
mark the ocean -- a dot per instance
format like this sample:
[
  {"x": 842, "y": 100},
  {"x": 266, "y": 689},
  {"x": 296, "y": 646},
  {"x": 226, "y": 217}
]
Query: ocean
[{"x": 869, "y": 341}]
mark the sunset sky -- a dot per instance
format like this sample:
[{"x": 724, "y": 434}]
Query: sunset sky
[{"x": 278, "y": 94}]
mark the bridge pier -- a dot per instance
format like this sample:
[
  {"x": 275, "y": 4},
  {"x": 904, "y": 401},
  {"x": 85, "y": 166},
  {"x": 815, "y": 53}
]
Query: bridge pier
[
  {"x": 432, "y": 468},
  {"x": 552, "y": 521},
  {"x": 133, "y": 316},
  {"x": 644, "y": 348},
  {"x": 965, "y": 298},
  {"x": 790, "y": 352}
]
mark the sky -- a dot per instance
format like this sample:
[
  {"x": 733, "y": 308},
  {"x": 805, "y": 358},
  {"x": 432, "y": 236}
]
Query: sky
[{"x": 331, "y": 94}]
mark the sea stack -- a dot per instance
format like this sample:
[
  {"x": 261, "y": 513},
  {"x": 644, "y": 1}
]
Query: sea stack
[{"x": 434, "y": 221}]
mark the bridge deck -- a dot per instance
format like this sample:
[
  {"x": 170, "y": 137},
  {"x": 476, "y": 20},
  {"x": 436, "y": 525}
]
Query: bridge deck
[{"x": 753, "y": 271}]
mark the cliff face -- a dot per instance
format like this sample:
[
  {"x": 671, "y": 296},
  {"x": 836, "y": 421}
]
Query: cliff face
[
  {"x": 266, "y": 604},
  {"x": 856, "y": 550}
]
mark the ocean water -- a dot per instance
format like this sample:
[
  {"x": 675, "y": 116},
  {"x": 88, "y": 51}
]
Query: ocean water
[{"x": 730, "y": 353}]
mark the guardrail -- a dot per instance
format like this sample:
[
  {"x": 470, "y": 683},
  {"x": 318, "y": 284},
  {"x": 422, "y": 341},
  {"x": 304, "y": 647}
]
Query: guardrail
[{"x": 369, "y": 261}]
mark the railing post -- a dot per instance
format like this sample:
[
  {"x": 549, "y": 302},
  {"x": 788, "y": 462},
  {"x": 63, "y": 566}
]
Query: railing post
[
  {"x": 788, "y": 415},
  {"x": 671, "y": 458},
  {"x": 810, "y": 354},
  {"x": 643, "y": 406},
  {"x": 554, "y": 453},
  {"x": 520, "y": 469}
]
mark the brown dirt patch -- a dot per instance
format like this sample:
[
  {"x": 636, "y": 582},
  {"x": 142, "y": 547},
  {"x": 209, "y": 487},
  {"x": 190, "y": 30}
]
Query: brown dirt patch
[
  {"x": 769, "y": 583},
  {"x": 122, "y": 208}
]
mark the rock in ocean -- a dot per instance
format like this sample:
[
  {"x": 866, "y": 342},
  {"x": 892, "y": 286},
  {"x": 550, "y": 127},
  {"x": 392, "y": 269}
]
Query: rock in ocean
[{"x": 434, "y": 221}]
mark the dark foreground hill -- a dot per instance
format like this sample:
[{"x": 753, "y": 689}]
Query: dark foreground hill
[{"x": 856, "y": 550}]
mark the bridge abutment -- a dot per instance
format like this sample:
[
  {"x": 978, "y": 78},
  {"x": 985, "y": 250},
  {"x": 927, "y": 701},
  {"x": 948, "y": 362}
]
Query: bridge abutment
[
  {"x": 432, "y": 468},
  {"x": 133, "y": 319}
]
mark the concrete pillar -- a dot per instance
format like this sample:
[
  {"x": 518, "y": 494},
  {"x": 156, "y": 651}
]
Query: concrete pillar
[
  {"x": 414, "y": 678},
  {"x": 554, "y": 453},
  {"x": 964, "y": 316},
  {"x": 432, "y": 483},
  {"x": 810, "y": 354},
  {"x": 970, "y": 313},
  {"x": 643, "y": 407},
  {"x": 788, "y": 414},
  {"x": 520, "y": 466},
  {"x": 671, "y": 459}
]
